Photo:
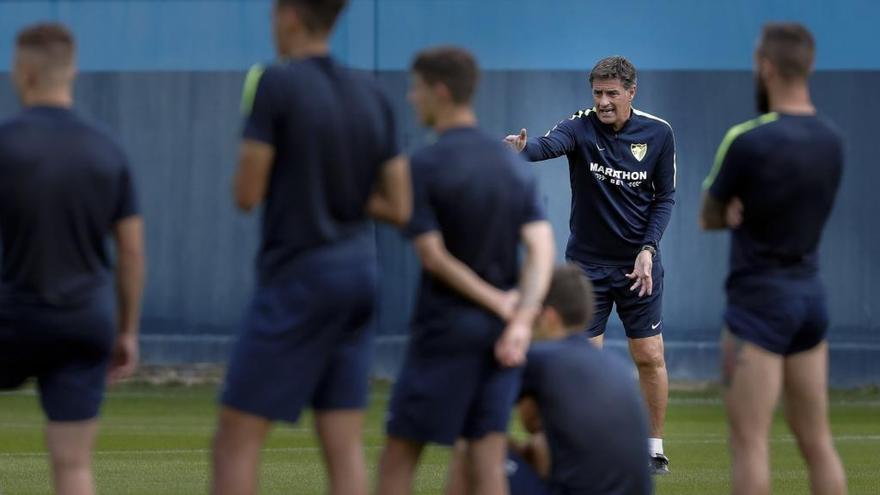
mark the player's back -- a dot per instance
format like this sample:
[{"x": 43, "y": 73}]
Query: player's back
[
  {"x": 331, "y": 130},
  {"x": 479, "y": 194},
  {"x": 792, "y": 166},
  {"x": 63, "y": 184},
  {"x": 592, "y": 414}
]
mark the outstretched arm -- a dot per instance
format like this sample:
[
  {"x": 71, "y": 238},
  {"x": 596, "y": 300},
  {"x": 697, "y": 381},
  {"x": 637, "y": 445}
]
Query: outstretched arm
[{"x": 557, "y": 142}]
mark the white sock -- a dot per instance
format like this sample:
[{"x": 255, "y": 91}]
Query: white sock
[{"x": 655, "y": 446}]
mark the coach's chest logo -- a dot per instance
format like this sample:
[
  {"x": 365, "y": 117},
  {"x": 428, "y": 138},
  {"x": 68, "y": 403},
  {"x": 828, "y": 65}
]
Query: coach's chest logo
[{"x": 639, "y": 151}]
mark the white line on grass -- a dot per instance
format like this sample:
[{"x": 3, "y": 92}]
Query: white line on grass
[{"x": 709, "y": 439}]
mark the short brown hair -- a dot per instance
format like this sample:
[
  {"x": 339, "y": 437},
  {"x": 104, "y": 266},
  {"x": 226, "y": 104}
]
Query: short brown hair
[
  {"x": 319, "y": 16},
  {"x": 571, "y": 295},
  {"x": 454, "y": 67},
  {"x": 615, "y": 67},
  {"x": 51, "y": 40},
  {"x": 790, "y": 48}
]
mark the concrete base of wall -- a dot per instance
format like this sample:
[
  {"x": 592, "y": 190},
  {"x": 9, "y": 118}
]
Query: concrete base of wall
[{"x": 853, "y": 363}]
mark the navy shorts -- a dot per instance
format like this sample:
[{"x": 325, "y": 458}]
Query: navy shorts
[
  {"x": 522, "y": 477},
  {"x": 782, "y": 316},
  {"x": 641, "y": 316},
  {"x": 306, "y": 342},
  {"x": 440, "y": 397},
  {"x": 67, "y": 350}
]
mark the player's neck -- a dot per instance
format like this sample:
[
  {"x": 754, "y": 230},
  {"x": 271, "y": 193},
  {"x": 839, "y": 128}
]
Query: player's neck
[
  {"x": 454, "y": 117},
  {"x": 305, "y": 47},
  {"x": 62, "y": 98},
  {"x": 792, "y": 99}
]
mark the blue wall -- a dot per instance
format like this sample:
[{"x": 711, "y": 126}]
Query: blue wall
[{"x": 166, "y": 76}]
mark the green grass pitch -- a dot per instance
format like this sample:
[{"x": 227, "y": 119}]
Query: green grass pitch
[{"x": 155, "y": 440}]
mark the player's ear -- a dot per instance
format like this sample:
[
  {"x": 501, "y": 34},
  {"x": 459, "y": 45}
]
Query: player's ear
[
  {"x": 287, "y": 18},
  {"x": 766, "y": 69},
  {"x": 632, "y": 92},
  {"x": 442, "y": 91}
]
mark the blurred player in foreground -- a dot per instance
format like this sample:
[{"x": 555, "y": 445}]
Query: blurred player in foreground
[
  {"x": 64, "y": 188},
  {"x": 319, "y": 147},
  {"x": 773, "y": 183},
  {"x": 581, "y": 407},
  {"x": 475, "y": 202},
  {"x": 622, "y": 167}
]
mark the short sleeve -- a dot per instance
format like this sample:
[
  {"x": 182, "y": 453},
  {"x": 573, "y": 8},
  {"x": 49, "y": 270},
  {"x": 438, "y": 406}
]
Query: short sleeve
[
  {"x": 258, "y": 106},
  {"x": 126, "y": 196},
  {"x": 423, "y": 218},
  {"x": 723, "y": 181},
  {"x": 533, "y": 208},
  {"x": 530, "y": 377},
  {"x": 391, "y": 145}
]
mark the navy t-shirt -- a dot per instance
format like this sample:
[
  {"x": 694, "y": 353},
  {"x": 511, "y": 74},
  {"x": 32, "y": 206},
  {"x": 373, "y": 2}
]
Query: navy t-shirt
[
  {"x": 786, "y": 169},
  {"x": 593, "y": 416},
  {"x": 331, "y": 129},
  {"x": 622, "y": 183},
  {"x": 478, "y": 194},
  {"x": 63, "y": 186}
]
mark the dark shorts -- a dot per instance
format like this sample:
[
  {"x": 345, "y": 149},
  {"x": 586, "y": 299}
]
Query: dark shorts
[
  {"x": 522, "y": 477},
  {"x": 67, "y": 350},
  {"x": 440, "y": 398},
  {"x": 641, "y": 316},
  {"x": 307, "y": 342},
  {"x": 778, "y": 315}
]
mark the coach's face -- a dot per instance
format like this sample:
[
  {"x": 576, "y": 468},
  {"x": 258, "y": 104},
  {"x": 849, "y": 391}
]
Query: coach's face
[
  {"x": 423, "y": 99},
  {"x": 613, "y": 102}
]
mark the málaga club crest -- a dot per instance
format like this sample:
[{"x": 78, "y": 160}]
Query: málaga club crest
[{"x": 639, "y": 151}]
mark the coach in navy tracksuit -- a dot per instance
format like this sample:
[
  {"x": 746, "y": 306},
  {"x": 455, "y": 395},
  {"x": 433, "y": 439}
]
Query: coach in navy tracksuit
[{"x": 622, "y": 168}]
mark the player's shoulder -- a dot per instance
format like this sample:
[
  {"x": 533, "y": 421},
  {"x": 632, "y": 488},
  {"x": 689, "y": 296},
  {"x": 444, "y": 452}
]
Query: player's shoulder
[
  {"x": 751, "y": 130},
  {"x": 651, "y": 120},
  {"x": 578, "y": 117}
]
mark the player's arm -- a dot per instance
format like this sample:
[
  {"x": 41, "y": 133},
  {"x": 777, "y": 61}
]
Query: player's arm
[
  {"x": 256, "y": 154},
  {"x": 442, "y": 265},
  {"x": 537, "y": 269},
  {"x": 391, "y": 200},
  {"x": 558, "y": 141},
  {"x": 664, "y": 194},
  {"x": 534, "y": 449},
  {"x": 130, "y": 274},
  {"x": 659, "y": 213},
  {"x": 721, "y": 208},
  {"x": 252, "y": 178}
]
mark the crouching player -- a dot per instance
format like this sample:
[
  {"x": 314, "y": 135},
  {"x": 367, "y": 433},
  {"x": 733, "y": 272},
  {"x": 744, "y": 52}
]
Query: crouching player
[{"x": 581, "y": 407}]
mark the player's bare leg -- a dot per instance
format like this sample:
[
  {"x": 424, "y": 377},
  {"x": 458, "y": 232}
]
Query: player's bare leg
[
  {"x": 237, "y": 445},
  {"x": 648, "y": 355},
  {"x": 341, "y": 434},
  {"x": 70, "y": 447},
  {"x": 806, "y": 410},
  {"x": 457, "y": 481},
  {"x": 598, "y": 340},
  {"x": 752, "y": 379},
  {"x": 486, "y": 461},
  {"x": 397, "y": 468}
]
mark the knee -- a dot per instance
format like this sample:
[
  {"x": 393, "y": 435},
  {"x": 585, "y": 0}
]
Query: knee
[
  {"x": 70, "y": 458},
  {"x": 817, "y": 450},
  {"x": 649, "y": 358}
]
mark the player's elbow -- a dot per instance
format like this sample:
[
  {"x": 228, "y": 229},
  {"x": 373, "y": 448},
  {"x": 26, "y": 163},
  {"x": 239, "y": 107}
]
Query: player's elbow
[
  {"x": 395, "y": 210},
  {"x": 245, "y": 200},
  {"x": 433, "y": 263}
]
